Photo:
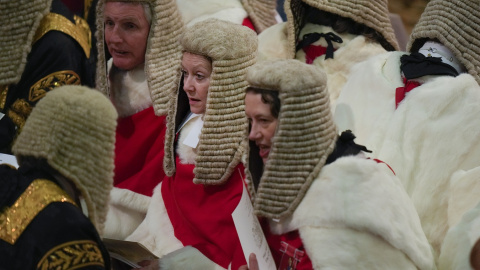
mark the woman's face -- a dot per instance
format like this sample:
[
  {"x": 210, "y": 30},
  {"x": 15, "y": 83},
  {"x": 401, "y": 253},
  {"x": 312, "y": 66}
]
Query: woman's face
[
  {"x": 196, "y": 71},
  {"x": 263, "y": 123},
  {"x": 126, "y": 33}
]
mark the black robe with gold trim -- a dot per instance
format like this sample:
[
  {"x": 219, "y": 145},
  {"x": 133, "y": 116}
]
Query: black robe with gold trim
[
  {"x": 42, "y": 228},
  {"x": 61, "y": 54}
]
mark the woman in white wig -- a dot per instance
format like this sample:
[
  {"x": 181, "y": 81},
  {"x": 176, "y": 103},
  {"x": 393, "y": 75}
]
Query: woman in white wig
[
  {"x": 191, "y": 210},
  {"x": 323, "y": 204}
]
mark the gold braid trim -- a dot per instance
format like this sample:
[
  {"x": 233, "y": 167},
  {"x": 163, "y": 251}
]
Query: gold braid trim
[
  {"x": 72, "y": 255},
  {"x": 19, "y": 112},
  {"x": 15, "y": 219},
  {"x": 87, "y": 5},
  {"x": 78, "y": 31},
  {"x": 47, "y": 83},
  {"x": 3, "y": 96}
]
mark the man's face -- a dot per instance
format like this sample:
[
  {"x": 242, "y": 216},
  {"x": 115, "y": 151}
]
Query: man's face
[{"x": 126, "y": 33}]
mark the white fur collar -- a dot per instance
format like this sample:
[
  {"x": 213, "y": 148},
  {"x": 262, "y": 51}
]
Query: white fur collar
[
  {"x": 130, "y": 92},
  {"x": 193, "y": 11},
  {"x": 359, "y": 194},
  {"x": 188, "y": 153},
  {"x": 315, "y": 28},
  {"x": 353, "y": 50}
]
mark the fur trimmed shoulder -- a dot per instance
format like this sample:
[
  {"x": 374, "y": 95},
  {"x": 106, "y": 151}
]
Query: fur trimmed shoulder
[
  {"x": 126, "y": 211},
  {"x": 186, "y": 258},
  {"x": 346, "y": 248},
  {"x": 156, "y": 231},
  {"x": 338, "y": 69},
  {"x": 459, "y": 241},
  {"x": 129, "y": 90},
  {"x": 357, "y": 194},
  {"x": 461, "y": 198},
  {"x": 273, "y": 42},
  {"x": 369, "y": 93},
  {"x": 228, "y": 10}
]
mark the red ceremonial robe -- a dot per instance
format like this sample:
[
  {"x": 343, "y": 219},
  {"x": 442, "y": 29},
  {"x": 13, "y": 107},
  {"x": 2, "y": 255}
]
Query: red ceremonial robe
[
  {"x": 139, "y": 152},
  {"x": 201, "y": 215}
]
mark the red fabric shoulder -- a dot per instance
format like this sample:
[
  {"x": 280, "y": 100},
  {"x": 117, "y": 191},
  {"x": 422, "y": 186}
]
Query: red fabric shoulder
[{"x": 139, "y": 152}]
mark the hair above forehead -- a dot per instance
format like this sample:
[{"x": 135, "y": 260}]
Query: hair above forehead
[
  {"x": 147, "y": 10},
  {"x": 269, "y": 97}
]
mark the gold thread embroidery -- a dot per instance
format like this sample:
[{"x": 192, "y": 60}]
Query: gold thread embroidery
[
  {"x": 19, "y": 112},
  {"x": 86, "y": 8},
  {"x": 22, "y": 107},
  {"x": 47, "y": 83},
  {"x": 82, "y": 23},
  {"x": 39, "y": 194},
  {"x": 3, "y": 96},
  {"x": 17, "y": 119},
  {"x": 77, "y": 31},
  {"x": 72, "y": 255}
]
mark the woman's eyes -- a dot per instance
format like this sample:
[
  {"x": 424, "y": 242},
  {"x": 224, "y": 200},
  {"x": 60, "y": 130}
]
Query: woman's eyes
[{"x": 198, "y": 76}]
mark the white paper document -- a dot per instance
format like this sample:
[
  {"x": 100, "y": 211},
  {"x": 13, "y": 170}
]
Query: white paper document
[{"x": 250, "y": 233}]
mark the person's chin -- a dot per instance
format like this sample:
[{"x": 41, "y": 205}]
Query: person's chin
[
  {"x": 196, "y": 110},
  {"x": 264, "y": 160},
  {"x": 123, "y": 64}
]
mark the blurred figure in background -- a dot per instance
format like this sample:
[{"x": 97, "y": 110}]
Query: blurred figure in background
[
  {"x": 418, "y": 112},
  {"x": 42, "y": 46},
  {"x": 255, "y": 14},
  {"x": 333, "y": 35}
]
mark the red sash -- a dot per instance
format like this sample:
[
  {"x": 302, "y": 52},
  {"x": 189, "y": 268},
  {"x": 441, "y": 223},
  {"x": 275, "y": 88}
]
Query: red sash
[
  {"x": 400, "y": 92},
  {"x": 312, "y": 52}
]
